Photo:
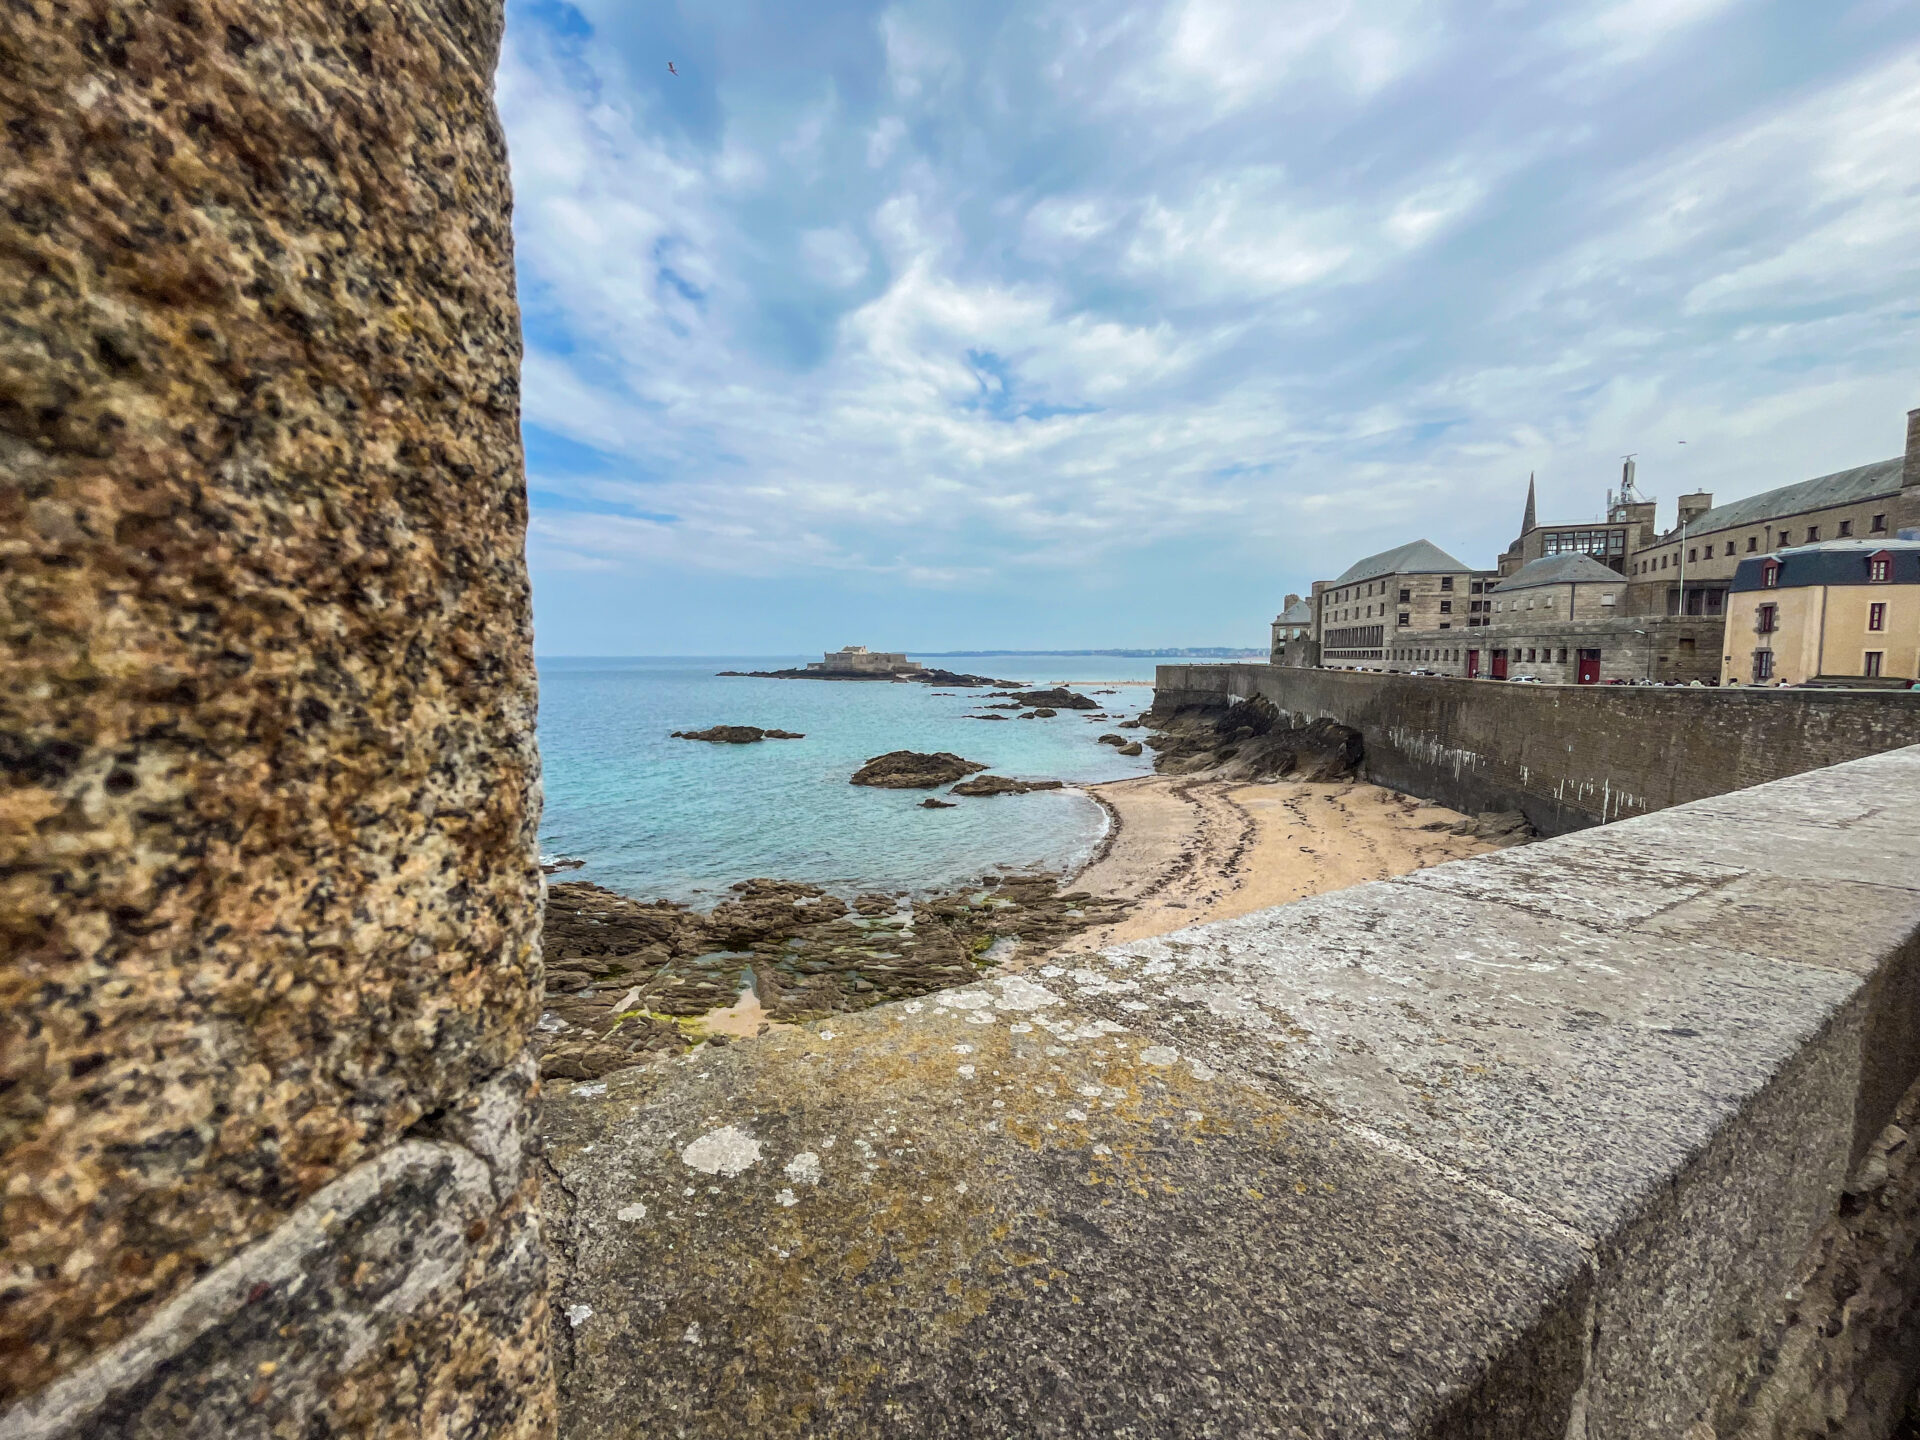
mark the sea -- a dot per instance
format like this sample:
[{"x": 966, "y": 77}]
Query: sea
[{"x": 654, "y": 817}]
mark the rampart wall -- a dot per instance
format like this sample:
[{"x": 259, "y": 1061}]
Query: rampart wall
[
  {"x": 1568, "y": 756},
  {"x": 269, "y": 900}
]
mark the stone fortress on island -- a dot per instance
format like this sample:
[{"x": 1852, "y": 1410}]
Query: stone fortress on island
[
  {"x": 858, "y": 660},
  {"x": 1617, "y": 600}
]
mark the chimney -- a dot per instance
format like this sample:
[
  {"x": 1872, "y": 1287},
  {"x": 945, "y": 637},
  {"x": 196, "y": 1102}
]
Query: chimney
[
  {"x": 1694, "y": 505},
  {"x": 1292, "y": 600},
  {"x": 1910, "y": 475}
]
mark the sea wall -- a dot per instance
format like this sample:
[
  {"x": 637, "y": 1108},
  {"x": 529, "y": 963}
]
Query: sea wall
[
  {"x": 1567, "y": 756},
  {"x": 268, "y": 924},
  {"x": 1599, "y": 1138}
]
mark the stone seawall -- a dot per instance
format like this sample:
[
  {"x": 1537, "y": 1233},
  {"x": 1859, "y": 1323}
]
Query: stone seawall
[
  {"x": 269, "y": 915},
  {"x": 1567, "y": 756}
]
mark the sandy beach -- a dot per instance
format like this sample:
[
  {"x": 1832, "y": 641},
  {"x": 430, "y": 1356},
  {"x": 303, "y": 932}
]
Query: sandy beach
[{"x": 1187, "y": 849}]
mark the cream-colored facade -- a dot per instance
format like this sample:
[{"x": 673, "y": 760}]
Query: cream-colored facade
[{"x": 1826, "y": 624}]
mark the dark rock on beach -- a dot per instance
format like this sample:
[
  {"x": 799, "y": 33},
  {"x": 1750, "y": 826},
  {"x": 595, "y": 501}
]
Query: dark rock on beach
[
  {"x": 626, "y": 979},
  {"x": 1131, "y": 748},
  {"x": 913, "y": 770},
  {"x": 1001, "y": 785},
  {"x": 932, "y": 804},
  {"x": 1111, "y": 740},
  {"x": 1249, "y": 740},
  {"x": 736, "y": 735},
  {"x": 1058, "y": 699}
]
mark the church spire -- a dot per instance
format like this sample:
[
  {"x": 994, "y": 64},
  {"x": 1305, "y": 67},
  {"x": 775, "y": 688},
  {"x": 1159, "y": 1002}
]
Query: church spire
[{"x": 1528, "y": 522}]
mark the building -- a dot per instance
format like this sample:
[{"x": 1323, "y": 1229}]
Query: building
[
  {"x": 1834, "y": 612},
  {"x": 1629, "y": 523},
  {"x": 1557, "y": 651},
  {"x": 858, "y": 660},
  {"x": 1293, "y": 633},
  {"x": 1358, "y": 618},
  {"x": 1690, "y": 569}
]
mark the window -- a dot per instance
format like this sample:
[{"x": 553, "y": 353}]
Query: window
[
  {"x": 1763, "y": 665},
  {"x": 1446, "y": 607},
  {"x": 1446, "y": 624},
  {"x": 1770, "y": 575},
  {"x": 1846, "y": 528},
  {"x": 1766, "y": 620},
  {"x": 1729, "y": 547},
  {"x": 1813, "y": 533},
  {"x": 1607, "y": 599},
  {"x": 1406, "y": 596},
  {"x": 1563, "y": 654},
  {"x": 1879, "y": 569},
  {"x": 1877, "y": 616},
  {"x": 1879, "y": 524},
  {"x": 1404, "y": 617},
  {"x": 1692, "y": 555},
  {"x": 1478, "y": 587},
  {"x": 1873, "y": 659},
  {"x": 1446, "y": 582},
  {"x": 1753, "y": 543}
]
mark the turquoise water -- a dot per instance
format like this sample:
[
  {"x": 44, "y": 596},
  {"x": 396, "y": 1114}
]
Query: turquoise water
[{"x": 658, "y": 817}]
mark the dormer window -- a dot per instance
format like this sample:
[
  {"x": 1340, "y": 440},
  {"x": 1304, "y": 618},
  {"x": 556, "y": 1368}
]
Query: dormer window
[
  {"x": 1879, "y": 568},
  {"x": 1770, "y": 575}
]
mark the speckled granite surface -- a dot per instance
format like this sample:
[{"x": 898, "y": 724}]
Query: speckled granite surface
[{"x": 266, "y": 691}]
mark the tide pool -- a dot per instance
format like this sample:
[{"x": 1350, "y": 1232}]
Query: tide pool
[{"x": 656, "y": 817}]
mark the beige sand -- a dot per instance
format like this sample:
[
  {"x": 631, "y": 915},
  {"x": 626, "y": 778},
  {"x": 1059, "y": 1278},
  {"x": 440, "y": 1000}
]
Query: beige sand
[{"x": 1188, "y": 849}]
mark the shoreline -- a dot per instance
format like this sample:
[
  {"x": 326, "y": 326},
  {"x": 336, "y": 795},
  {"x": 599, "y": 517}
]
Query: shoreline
[{"x": 1185, "y": 850}]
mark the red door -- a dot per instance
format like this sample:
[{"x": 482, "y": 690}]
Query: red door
[
  {"x": 1589, "y": 667},
  {"x": 1499, "y": 664},
  {"x": 1473, "y": 664}
]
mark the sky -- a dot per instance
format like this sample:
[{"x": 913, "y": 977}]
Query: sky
[{"x": 1079, "y": 323}]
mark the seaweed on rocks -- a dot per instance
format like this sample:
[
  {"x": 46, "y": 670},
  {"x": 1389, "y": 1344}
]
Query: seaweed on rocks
[{"x": 629, "y": 979}]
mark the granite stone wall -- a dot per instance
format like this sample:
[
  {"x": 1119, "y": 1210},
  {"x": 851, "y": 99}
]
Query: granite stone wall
[
  {"x": 268, "y": 893},
  {"x": 1568, "y": 756}
]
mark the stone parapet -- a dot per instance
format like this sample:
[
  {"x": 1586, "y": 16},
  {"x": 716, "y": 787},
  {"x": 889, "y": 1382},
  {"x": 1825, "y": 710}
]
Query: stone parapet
[{"x": 1532, "y": 1145}]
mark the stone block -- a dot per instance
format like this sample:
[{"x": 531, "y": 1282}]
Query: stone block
[{"x": 1003, "y": 1214}]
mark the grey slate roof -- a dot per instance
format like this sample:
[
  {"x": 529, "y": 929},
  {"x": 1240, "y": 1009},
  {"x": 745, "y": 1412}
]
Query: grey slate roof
[
  {"x": 1417, "y": 557},
  {"x": 1298, "y": 613},
  {"x": 1843, "y": 487},
  {"x": 1559, "y": 570},
  {"x": 1832, "y": 562}
]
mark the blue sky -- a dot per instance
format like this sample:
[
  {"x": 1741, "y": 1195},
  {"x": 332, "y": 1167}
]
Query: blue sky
[{"x": 928, "y": 325}]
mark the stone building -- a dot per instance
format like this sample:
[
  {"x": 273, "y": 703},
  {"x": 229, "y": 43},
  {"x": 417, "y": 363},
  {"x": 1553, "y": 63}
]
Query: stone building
[
  {"x": 1841, "y": 611},
  {"x": 1418, "y": 586},
  {"x": 1629, "y": 523},
  {"x": 1690, "y": 569},
  {"x": 858, "y": 660},
  {"x": 1293, "y": 633}
]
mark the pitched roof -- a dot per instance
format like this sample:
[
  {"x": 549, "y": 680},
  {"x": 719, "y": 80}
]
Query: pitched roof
[
  {"x": 1833, "y": 562},
  {"x": 1298, "y": 613},
  {"x": 1417, "y": 557},
  {"x": 1843, "y": 487},
  {"x": 1570, "y": 569}
]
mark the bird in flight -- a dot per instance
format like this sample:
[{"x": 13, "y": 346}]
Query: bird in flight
[{"x": 670, "y": 69}]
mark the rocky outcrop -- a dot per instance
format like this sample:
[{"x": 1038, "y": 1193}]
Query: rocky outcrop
[
  {"x": 270, "y": 922},
  {"x": 1132, "y": 747},
  {"x": 628, "y": 979},
  {"x": 914, "y": 770},
  {"x": 922, "y": 677},
  {"x": 1248, "y": 740},
  {"x": 932, "y": 804},
  {"x": 735, "y": 735},
  {"x": 1500, "y": 827},
  {"x": 984, "y": 717},
  {"x": 1001, "y": 785},
  {"x": 1111, "y": 740},
  {"x": 1059, "y": 699}
]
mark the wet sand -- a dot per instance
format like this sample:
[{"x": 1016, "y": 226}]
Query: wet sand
[{"x": 1188, "y": 849}]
